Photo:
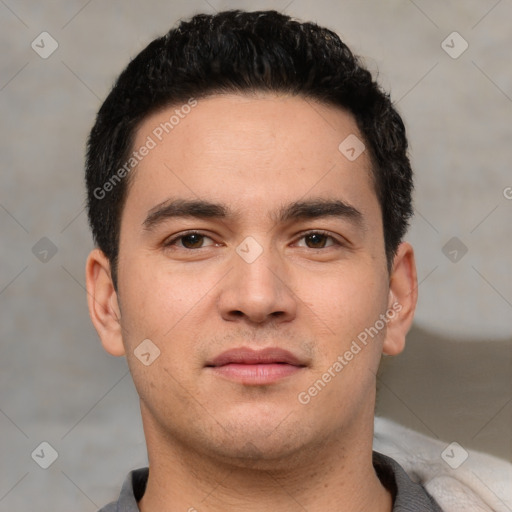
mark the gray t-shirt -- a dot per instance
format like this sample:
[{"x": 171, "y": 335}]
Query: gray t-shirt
[{"x": 407, "y": 495}]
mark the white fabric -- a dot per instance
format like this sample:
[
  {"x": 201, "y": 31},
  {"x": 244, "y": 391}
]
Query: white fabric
[{"x": 482, "y": 483}]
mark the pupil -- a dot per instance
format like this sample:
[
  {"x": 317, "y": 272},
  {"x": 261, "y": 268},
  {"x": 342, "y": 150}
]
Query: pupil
[
  {"x": 192, "y": 240},
  {"x": 317, "y": 240}
]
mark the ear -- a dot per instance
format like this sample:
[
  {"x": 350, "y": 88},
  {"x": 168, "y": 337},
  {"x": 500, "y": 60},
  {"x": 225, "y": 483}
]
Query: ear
[
  {"x": 403, "y": 296},
  {"x": 103, "y": 304}
]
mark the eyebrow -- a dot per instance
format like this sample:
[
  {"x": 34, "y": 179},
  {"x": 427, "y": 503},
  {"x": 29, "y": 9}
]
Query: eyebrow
[
  {"x": 316, "y": 208},
  {"x": 183, "y": 208},
  {"x": 298, "y": 210}
]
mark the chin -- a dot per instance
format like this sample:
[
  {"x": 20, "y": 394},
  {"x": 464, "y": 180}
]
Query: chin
[
  {"x": 258, "y": 454},
  {"x": 262, "y": 442}
]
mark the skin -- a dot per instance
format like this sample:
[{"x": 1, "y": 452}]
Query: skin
[{"x": 219, "y": 445}]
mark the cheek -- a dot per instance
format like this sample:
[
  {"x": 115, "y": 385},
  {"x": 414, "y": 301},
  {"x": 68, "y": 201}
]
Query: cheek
[
  {"x": 163, "y": 307},
  {"x": 156, "y": 301},
  {"x": 347, "y": 300},
  {"x": 350, "y": 347}
]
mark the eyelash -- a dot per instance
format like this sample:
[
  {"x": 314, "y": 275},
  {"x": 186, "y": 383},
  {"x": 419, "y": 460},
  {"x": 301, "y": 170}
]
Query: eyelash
[{"x": 173, "y": 240}]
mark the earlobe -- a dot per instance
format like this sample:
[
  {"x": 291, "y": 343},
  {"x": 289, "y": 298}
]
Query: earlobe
[
  {"x": 403, "y": 296},
  {"x": 103, "y": 302}
]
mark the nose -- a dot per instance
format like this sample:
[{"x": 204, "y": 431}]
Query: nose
[{"x": 257, "y": 292}]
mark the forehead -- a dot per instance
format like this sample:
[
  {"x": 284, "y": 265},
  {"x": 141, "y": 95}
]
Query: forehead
[{"x": 253, "y": 151}]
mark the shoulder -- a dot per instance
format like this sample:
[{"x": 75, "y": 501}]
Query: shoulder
[
  {"x": 111, "y": 507},
  {"x": 407, "y": 495},
  {"x": 477, "y": 481},
  {"x": 132, "y": 491}
]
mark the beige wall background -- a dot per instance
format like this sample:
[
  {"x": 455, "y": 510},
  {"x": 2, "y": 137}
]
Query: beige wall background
[{"x": 454, "y": 381}]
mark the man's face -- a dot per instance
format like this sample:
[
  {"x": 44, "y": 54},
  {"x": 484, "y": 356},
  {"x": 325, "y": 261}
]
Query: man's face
[{"x": 290, "y": 258}]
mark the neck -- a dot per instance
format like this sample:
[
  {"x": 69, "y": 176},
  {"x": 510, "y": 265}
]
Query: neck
[{"x": 338, "y": 475}]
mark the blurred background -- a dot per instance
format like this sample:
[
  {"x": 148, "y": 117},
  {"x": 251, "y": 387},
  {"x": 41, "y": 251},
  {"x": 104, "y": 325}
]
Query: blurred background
[{"x": 448, "y": 68}]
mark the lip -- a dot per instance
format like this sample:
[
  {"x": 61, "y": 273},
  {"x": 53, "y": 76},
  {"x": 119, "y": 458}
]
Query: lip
[{"x": 255, "y": 367}]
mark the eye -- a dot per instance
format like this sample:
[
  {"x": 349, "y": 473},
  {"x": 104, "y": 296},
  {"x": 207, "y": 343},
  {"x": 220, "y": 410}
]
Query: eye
[
  {"x": 318, "y": 240},
  {"x": 192, "y": 240}
]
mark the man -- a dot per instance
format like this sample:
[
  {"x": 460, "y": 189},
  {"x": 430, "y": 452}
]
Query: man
[{"x": 248, "y": 191}]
